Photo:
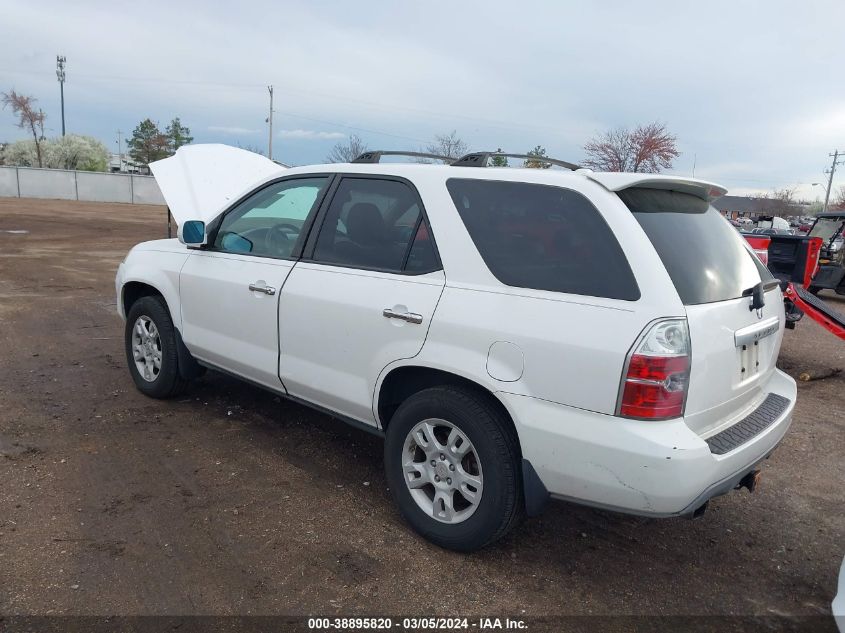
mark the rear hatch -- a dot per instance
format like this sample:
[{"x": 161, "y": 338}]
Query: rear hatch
[{"x": 734, "y": 348}]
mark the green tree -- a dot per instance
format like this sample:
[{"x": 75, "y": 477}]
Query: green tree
[
  {"x": 539, "y": 152},
  {"x": 75, "y": 151},
  {"x": 148, "y": 144},
  {"x": 178, "y": 134},
  {"x": 20, "y": 153},
  {"x": 499, "y": 161}
]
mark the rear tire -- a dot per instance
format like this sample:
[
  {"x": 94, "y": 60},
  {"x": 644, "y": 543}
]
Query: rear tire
[
  {"x": 151, "y": 349},
  {"x": 475, "y": 446}
]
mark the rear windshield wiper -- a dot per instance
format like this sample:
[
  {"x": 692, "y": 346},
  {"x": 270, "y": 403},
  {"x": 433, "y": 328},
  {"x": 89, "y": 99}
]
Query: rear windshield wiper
[{"x": 757, "y": 293}]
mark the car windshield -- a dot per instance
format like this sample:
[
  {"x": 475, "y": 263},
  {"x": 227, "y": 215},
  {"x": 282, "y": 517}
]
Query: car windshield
[
  {"x": 707, "y": 260},
  {"x": 826, "y": 228}
]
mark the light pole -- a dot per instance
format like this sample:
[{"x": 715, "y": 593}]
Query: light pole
[
  {"x": 119, "y": 156},
  {"x": 60, "y": 73},
  {"x": 831, "y": 171},
  {"x": 270, "y": 121}
]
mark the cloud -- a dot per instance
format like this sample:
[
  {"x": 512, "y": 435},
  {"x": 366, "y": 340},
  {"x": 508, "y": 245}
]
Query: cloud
[
  {"x": 234, "y": 131},
  {"x": 310, "y": 134},
  {"x": 749, "y": 99}
]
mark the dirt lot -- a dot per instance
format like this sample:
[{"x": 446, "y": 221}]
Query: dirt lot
[{"x": 230, "y": 501}]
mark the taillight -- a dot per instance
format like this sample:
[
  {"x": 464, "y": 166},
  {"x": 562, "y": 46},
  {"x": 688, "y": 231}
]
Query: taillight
[
  {"x": 654, "y": 386},
  {"x": 763, "y": 255}
]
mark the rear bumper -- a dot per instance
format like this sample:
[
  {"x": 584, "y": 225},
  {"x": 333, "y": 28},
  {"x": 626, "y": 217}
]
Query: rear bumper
[{"x": 647, "y": 468}]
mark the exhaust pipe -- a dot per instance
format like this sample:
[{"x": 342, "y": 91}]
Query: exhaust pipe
[
  {"x": 699, "y": 511},
  {"x": 750, "y": 481}
]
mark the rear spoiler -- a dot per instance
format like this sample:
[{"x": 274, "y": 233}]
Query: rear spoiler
[{"x": 617, "y": 181}]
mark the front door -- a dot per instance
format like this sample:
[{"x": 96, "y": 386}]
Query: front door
[
  {"x": 362, "y": 298},
  {"x": 230, "y": 291}
]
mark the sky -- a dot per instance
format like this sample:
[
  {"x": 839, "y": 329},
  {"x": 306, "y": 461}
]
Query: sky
[{"x": 753, "y": 90}]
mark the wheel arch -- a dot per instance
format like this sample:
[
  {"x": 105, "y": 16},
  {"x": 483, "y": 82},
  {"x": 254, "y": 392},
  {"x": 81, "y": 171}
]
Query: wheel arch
[
  {"x": 403, "y": 381},
  {"x": 135, "y": 289},
  {"x": 144, "y": 283}
]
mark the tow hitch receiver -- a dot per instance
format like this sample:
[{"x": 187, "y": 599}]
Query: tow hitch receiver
[{"x": 750, "y": 481}]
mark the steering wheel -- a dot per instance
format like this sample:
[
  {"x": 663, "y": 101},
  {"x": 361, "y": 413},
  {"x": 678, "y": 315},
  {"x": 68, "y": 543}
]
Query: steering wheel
[{"x": 277, "y": 240}]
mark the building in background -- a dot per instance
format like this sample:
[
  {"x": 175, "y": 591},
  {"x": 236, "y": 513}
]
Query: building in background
[{"x": 122, "y": 165}]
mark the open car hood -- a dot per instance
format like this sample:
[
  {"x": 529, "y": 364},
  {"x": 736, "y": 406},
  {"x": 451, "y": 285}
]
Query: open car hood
[
  {"x": 617, "y": 181},
  {"x": 199, "y": 181}
]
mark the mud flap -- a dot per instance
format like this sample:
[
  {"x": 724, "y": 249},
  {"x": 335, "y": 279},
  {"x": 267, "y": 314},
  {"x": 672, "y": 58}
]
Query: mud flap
[
  {"x": 189, "y": 368},
  {"x": 534, "y": 490}
]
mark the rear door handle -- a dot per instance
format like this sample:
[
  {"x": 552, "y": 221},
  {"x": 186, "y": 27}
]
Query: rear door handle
[
  {"x": 267, "y": 290},
  {"x": 409, "y": 317}
]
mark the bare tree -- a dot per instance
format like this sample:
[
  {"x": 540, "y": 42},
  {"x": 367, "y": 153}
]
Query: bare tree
[
  {"x": 450, "y": 145},
  {"x": 348, "y": 151},
  {"x": 23, "y": 107},
  {"x": 648, "y": 148},
  {"x": 780, "y": 202},
  {"x": 838, "y": 202}
]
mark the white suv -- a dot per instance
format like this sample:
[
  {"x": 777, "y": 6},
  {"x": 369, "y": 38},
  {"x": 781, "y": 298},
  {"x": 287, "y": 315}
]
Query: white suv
[{"x": 514, "y": 334}]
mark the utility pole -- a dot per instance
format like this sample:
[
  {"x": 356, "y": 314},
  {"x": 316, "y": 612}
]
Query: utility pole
[
  {"x": 270, "y": 121},
  {"x": 60, "y": 73},
  {"x": 119, "y": 156},
  {"x": 831, "y": 171}
]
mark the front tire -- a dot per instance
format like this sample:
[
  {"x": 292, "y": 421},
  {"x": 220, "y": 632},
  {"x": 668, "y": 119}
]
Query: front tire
[
  {"x": 151, "y": 349},
  {"x": 452, "y": 463}
]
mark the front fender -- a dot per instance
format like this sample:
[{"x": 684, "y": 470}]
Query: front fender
[{"x": 157, "y": 269}]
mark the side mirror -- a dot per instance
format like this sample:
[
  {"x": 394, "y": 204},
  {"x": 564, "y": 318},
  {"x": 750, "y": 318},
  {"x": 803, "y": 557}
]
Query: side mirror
[{"x": 192, "y": 233}]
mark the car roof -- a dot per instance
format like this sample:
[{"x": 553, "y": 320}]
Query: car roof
[
  {"x": 612, "y": 181},
  {"x": 831, "y": 214}
]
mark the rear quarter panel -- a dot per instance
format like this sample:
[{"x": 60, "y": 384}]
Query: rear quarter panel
[{"x": 573, "y": 346}]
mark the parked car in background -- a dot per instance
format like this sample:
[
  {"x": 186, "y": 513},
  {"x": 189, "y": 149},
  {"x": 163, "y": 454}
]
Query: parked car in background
[
  {"x": 830, "y": 227},
  {"x": 513, "y": 334}
]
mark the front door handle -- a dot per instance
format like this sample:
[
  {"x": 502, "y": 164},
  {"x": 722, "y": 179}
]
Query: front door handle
[
  {"x": 267, "y": 290},
  {"x": 409, "y": 317}
]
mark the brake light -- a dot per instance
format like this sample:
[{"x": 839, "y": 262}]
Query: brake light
[{"x": 654, "y": 386}]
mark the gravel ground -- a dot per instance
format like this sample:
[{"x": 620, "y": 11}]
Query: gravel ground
[{"x": 229, "y": 501}]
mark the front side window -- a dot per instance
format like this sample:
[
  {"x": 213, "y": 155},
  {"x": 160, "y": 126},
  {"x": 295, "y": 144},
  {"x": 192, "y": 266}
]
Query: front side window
[
  {"x": 543, "y": 237},
  {"x": 272, "y": 222},
  {"x": 376, "y": 224}
]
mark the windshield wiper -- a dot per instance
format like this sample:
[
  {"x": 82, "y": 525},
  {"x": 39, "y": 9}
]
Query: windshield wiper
[{"x": 758, "y": 292}]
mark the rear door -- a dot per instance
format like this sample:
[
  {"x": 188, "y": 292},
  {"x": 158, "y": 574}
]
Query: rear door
[
  {"x": 734, "y": 347},
  {"x": 362, "y": 297}
]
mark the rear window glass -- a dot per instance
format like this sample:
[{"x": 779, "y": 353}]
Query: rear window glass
[
  {"x": 543, "y": 237},
  {"x": 704, "y": 255}
]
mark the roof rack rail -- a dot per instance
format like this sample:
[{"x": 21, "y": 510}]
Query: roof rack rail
[
  {"x": 375, "y": 157},
  {"x": 479, "y": 159}
]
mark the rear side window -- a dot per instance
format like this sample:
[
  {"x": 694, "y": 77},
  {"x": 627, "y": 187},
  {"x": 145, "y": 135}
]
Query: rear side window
[
  {"x": 543, "y": 237},
  {"x": 377, "y": 225},
  {"x": 704, "y": 255}
]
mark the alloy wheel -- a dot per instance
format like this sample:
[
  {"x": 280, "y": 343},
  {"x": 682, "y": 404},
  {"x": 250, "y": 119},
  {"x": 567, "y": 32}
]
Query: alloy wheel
[
  {"x": 442, "y": 470},
  {"x": 146, "y": 348}
]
